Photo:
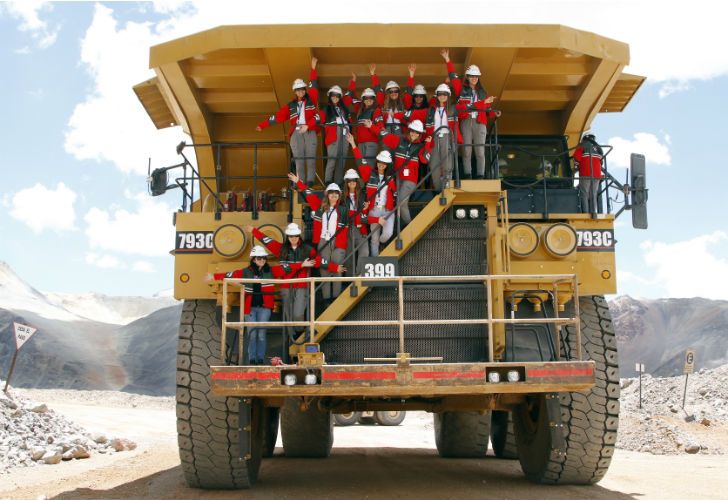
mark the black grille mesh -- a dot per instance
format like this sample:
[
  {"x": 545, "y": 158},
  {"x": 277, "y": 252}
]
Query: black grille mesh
[{"x": 450, "y": 247}]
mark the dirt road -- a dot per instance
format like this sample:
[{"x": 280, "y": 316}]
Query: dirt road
[{"x": 367, "y": 461}]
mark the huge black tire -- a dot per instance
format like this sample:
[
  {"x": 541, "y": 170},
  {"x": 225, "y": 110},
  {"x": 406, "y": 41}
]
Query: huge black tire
[
  {"x": 207, "y": 425},
  {"x": 462, "y": 434},
  {"x": 306, "y": 434},
  {"x": 502, "y": 437},
  {"x": 346, "y": 419},
  {"x": 589, "y": 418},
  {"x": 270, "y": 431},
  {"x": 390, "y": 417}
]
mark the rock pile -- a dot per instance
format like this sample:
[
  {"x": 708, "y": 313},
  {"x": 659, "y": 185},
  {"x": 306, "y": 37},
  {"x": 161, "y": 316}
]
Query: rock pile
[
  {"x": 662, "y": 426},
  {"x": 31, "y": 434}
]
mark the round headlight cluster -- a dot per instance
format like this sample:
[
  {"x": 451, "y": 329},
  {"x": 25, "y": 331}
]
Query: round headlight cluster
[{"x": 558, "y": 239}]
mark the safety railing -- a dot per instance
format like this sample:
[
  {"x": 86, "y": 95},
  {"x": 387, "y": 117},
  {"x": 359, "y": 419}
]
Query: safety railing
[{"x": 555, "y": 280}]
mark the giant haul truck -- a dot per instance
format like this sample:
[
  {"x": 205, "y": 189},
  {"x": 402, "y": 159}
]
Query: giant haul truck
[{"x": 486, "y": 310}]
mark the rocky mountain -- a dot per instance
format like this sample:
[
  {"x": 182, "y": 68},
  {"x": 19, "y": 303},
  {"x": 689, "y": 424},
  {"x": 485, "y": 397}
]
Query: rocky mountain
[
  {"x": 658, "y": 332},
  {"x": 74, "y": 352}
]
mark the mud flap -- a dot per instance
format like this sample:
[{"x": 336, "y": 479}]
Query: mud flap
[
  {"x": 556, "y": 427},
  {"x": 245, "y": 429}
]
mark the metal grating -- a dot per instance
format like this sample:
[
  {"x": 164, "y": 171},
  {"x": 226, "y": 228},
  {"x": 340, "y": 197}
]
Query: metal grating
[{"x": 450, "y": 247}]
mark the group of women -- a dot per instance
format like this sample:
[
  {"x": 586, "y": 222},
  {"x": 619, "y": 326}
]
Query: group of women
[{"x": 391, "y": 134}]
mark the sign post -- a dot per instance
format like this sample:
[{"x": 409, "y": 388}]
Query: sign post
[
  {"x": 22, "y": 335},
  {"x": 687, "y": 370},
  {"x": 640, "y": 370}
]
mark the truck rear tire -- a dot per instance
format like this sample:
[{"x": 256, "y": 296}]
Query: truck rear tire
[
  {"x": 207, "y": 425},
  {"x": 306, "y": 434},
  {"x": 590, "y": 419},
  {"x": 270, "y": 436},
  {"x": 346, "y": 419},
  {"x": 502, "y": 437},
  {"x": 389, "y": 417},
  {"x": 462, "y": 434}
]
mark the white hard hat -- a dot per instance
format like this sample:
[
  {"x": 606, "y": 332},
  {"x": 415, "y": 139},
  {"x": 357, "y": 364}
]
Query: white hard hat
[
  {"x": 384, "y": 157},
  {"x": 416, "y": 125},
  {"x": 351, "y": 174},
  {"x": 472, "y": 70},
  {"x": 368, "y": 93},
  {"x": 391, "y": 84},
  {"x": 333, "y": 187},
  {"x": 293, "y": 229},
  {"x": 419, "y": 90},
  {"x": 443, "y": 87},
  {"x": 335, "y": 90},
  {"x": 298, "y": 84},
  {"x": 258, "y": 251}
]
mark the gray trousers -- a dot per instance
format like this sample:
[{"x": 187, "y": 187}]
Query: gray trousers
[
  {"x": 295, "y": 303},
  {"x": 328, "y": 251},
  {"x": 404, "y": 190},
  {"x": 474, "y": 135},
  {"x": 336, "y": 152},
  {"x": 441, "y": 162},
  {"x": 303, "y": 147},
  {"x": 356, "y": 250},
  {"x": 382, "y": 231},
  {"x": 369, "y": 152},
  {"x": 588, "y": 190}
]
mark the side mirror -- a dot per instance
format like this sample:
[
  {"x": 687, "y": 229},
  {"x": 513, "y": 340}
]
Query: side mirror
[
  {"x": 638, "y": 189},
  {"x": 157, "y": 181}
]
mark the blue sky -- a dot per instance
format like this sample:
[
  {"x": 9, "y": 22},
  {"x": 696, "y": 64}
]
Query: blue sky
[{"x": 75, "y": 217}]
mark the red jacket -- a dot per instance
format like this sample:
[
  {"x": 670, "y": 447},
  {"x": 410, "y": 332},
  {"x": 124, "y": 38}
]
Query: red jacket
[
  {"x": 267, "y": 288},
  {"x": 588, "y": 155},
  {"x": 404, "y": 96},
  {"x": 290, "y": 111},
  {"x": 342, "y": 218},
  {"x": 465, "y": 97},
  {"x": 291, "y": 266},
  {"x": 451, "y": 122},
  {"x": 361, "y": 132},
  {"x": 407, "y": 155},
  {"x": 371, "y": 177},
  {"x": 328, "y": 118}
]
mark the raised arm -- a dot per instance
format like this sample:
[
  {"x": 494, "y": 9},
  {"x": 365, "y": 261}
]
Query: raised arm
[{"x": 311, "y": 198}]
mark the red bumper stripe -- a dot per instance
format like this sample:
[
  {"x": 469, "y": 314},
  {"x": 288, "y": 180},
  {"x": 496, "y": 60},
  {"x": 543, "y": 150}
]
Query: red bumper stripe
[
  {"x": 560, "y": 372},
  {"x": 245, "y": 376},
  {"x": 359, "y": 375},
  {"x": 448, "y": 375}
]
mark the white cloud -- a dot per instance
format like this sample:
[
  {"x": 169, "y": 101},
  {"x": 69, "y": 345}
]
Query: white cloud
[
  {"x": 689, "y": 268},
  {"x": 28, "y": 13},
  {"x": 143, "y": 266},
  {"x": 672, "y": 87},
  {"x": 42, "y": 208},
  {"x": 146, "y": 231},
  {"x": 103, "y": 261},
  {"x": 644, "y": 143}
]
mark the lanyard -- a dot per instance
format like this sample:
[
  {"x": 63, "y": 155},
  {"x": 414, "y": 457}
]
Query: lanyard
[{"x": 443, "y": 116}]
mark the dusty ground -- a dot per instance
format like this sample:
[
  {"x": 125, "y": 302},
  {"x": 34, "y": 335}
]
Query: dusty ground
[{"x": 368, "y": 461}]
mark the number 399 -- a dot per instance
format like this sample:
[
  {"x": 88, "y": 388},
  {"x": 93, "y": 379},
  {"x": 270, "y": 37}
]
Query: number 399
[{"x": 379, "y": 270}]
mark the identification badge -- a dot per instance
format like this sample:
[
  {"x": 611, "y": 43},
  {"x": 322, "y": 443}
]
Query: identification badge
[{"x": 405, "y": 172}]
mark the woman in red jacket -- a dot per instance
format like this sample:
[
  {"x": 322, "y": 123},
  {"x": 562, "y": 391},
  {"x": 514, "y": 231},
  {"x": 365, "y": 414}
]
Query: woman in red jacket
[
  {"x": 369, "y": 120},
  {"x": 473, "y": 113},
  {"x": 441, "y": 125},
  {"x": 337, "y": 123},
  {"x": 259, "y": 298},
  {"x": 391, "y": 102},
  {"x": 381, "y": 195},
  {"x": 408, "y": 154},
  {"x": 355, "y": 201},
  {"x": 330, "y": 231},
  {"x": 304, "y": 119}
]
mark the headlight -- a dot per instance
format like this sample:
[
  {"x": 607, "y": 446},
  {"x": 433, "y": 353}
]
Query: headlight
[
  {"x": 460, "y": 213},
  {"x": 523, "y": 239},
  {"x": 560, "y": 240},
  {"x": 310, "y": 379},
  {"x": 513, "y": 376},
  {"x": 493, "y": 377},
  {"x": 290, "y": 379},
  {"x": 474, "y": 213}
]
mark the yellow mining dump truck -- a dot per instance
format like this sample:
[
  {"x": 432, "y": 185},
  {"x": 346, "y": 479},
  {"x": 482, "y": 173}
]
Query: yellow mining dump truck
[{"x": 487, "y": 309}]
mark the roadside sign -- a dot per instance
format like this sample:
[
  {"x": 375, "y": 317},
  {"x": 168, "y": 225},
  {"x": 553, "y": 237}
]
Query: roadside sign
[
  {"x": 639, "y": 367},
  {"x": 22, "y": 334},
  {"x": 689, "y": 361}
]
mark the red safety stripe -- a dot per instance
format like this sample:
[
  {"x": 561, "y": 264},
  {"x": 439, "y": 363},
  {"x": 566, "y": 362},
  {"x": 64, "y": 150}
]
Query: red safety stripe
[
  {"x": 245, "y": 376},
  {"x": 560, "y": 372},
  {"x": 449, "y": 375},
  {"x": 359, "y": 375}
]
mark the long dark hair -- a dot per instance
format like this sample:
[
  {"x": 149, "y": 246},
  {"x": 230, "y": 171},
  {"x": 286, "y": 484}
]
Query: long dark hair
[
  {"x": 286, "y": 247},
  {"x": 254, "y": 267},
  {"x": 424, "y": 104},
  {"x": 478, "y": 86}
]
